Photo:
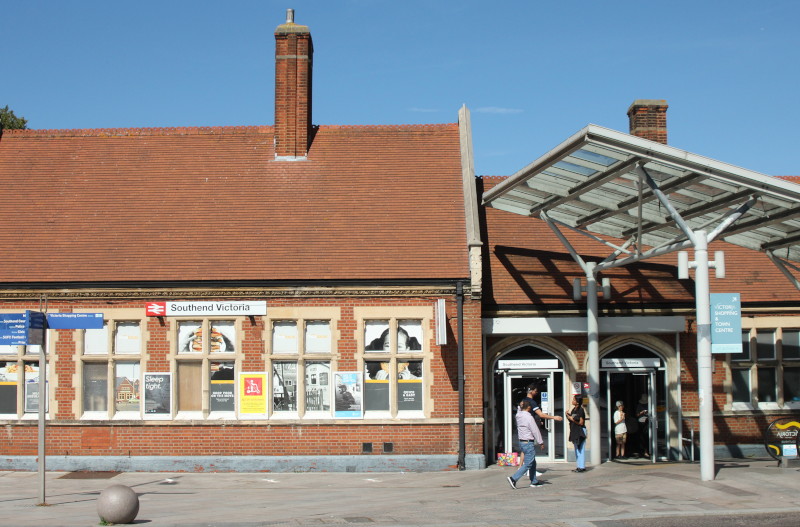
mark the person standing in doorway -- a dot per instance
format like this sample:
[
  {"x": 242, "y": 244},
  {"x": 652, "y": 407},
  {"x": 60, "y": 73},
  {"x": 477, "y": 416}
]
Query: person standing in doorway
[
  {"x": 577, "y": 432},
  {"x": 529, "y": 436},
  {"x": 642, "y": 415},
  {"x": 620, "y": 430}
]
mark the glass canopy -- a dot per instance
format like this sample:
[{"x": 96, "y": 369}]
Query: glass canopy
[{"x": 608, "y": 183}]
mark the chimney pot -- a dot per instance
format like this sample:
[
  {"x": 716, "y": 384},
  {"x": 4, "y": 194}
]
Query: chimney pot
[{"x": 290, "y": 16}]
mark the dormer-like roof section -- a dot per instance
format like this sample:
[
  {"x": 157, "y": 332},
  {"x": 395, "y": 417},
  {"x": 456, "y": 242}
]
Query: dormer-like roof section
[{"x": 212, "y": 204}]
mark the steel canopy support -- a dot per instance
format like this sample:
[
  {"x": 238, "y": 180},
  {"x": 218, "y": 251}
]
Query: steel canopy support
[
  {"x": 593, "y": 362},
  {"x": 782, "y": 266},
  {"x": 593, "y": 342},
  {"x": 705, "y": 392}
]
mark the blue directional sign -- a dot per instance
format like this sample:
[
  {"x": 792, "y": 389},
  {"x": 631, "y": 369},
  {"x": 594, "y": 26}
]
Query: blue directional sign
[
  {"x": 13, "y": 329},
  {"x": 75, "y": 320},
  {"x": 726, "y": 323}
]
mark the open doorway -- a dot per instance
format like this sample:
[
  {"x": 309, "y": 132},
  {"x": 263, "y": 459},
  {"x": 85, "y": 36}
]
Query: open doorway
[{"x": 636, "y": 377}]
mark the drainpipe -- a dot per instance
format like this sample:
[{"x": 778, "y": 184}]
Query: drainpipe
[{"x": 462, "y": 436}]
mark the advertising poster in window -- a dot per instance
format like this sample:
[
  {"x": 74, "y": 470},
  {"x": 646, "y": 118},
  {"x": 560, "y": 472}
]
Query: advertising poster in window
[
  {"x": 127, "y": 338},
  {"x": 32, "y": 388},
  {"x": 222, "y": 391},
  {"x": 252, "y": 394},
  {"x": 8, "y": 387},
  {"x": 318, "y": 336},
  {"x": 348, "y": 395},
  {"x": 284, "y": 386},
  {"x": 409, "y": 385},
  {"x": 318, "y": 388},
  {"x": 409, "y": 335},
  {"x": 190, "y": 337},
  {"x": 158, "y": 394},
  {"x": 376, "y": 386},
  {"x": 284, "y": 336},
  {"x": 376, "y": 335},
  {"x": 127, "y": 393},
  {"x": 223, "y": 337}
]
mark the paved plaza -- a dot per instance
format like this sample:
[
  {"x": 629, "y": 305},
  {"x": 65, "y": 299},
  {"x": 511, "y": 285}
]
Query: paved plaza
[{"x": 612, "y": 491}]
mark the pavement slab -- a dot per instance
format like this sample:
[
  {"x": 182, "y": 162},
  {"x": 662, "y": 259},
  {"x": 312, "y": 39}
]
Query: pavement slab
[{"x": 609, "y": 492}]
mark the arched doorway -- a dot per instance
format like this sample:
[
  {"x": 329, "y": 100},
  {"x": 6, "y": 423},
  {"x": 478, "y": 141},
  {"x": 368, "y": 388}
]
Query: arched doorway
[
  {"x": 513, "y": 372},
  {"x": 636, "y": 376}
]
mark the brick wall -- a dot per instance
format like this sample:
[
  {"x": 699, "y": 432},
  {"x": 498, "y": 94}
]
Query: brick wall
[{"x": 68, "y": 436}]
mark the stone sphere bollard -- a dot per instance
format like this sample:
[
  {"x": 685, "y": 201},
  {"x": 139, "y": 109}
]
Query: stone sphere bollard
[{"x": 118, "y": 504}]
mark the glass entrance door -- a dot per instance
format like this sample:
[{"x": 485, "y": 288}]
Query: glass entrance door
[{"x": 551, "y": 388}]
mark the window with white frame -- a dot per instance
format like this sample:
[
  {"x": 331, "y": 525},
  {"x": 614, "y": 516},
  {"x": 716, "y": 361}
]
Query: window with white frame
[
  {"x": 767, "y": 372},
  {"x": 393, "y": 366},
  {"x": 19, "y": 381},
  {"x": 206, "y": 356},
  {"x": 111, "y": 374},
  {"x": 301, "y": 367}
]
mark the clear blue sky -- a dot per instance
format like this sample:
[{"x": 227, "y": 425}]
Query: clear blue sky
[{"x": 531, "y": 72}]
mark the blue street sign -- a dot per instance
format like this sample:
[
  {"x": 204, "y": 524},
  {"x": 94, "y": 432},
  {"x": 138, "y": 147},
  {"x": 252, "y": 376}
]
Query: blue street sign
[
  {"x": 75, "y": 320},
  {"x": 726, "y": 323},
  {"x": 13, "y": 330}
]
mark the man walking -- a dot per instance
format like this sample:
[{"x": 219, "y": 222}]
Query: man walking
[
  {"x": 533, "y": 393},
  {"x": 529, "y": 436}
]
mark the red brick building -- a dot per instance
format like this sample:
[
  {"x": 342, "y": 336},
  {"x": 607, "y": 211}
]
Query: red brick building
[
  {"x": 287, "y": 297},
  {"x": 318, "y": 297}
]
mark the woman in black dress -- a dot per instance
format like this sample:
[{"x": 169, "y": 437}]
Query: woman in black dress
[{"x": 577, "y": 432}]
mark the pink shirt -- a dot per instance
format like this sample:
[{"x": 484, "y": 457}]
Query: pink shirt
[{"x": 527, "y": 429}]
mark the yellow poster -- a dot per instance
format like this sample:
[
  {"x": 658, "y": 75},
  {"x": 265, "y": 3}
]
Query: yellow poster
[{"x": 253, "y": 393}]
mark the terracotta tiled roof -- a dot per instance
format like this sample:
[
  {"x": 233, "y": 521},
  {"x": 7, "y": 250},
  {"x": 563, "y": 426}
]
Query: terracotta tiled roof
[
  {"x": 369, "y": 203},
  {"x": 529, "y": 265}
]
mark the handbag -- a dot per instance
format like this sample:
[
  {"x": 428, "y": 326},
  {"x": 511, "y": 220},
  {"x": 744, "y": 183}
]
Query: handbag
[{"x": 507, "y": 459}]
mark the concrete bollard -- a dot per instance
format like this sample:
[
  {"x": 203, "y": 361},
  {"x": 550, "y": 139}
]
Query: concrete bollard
[{"x": 118, "y": 504}]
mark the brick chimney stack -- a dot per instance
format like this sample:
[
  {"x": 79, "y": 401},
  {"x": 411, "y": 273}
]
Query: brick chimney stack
[
  {"x": 648, "y": 119},
  {"x": 293, "y": 60}
]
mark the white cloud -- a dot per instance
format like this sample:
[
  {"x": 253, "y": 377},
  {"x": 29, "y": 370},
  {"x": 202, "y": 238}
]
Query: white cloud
[{"x": 497, "y": 110}]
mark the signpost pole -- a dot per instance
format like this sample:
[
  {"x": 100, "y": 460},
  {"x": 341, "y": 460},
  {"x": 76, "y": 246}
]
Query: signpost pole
[{"x": 42, "y": 412}]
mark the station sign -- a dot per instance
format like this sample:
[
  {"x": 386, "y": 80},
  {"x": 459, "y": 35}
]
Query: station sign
[
  {"x": 630, "y": 363},
  {"x": 221, "y": 308},
  {"x": 528, "y": 364},
  {"x": 726, "y": 322}
]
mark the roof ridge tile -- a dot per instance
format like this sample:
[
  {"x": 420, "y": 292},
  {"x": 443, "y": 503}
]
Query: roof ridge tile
[
  {"x": 127, "y": 132},
  {"x": 426, "y": 126}
]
